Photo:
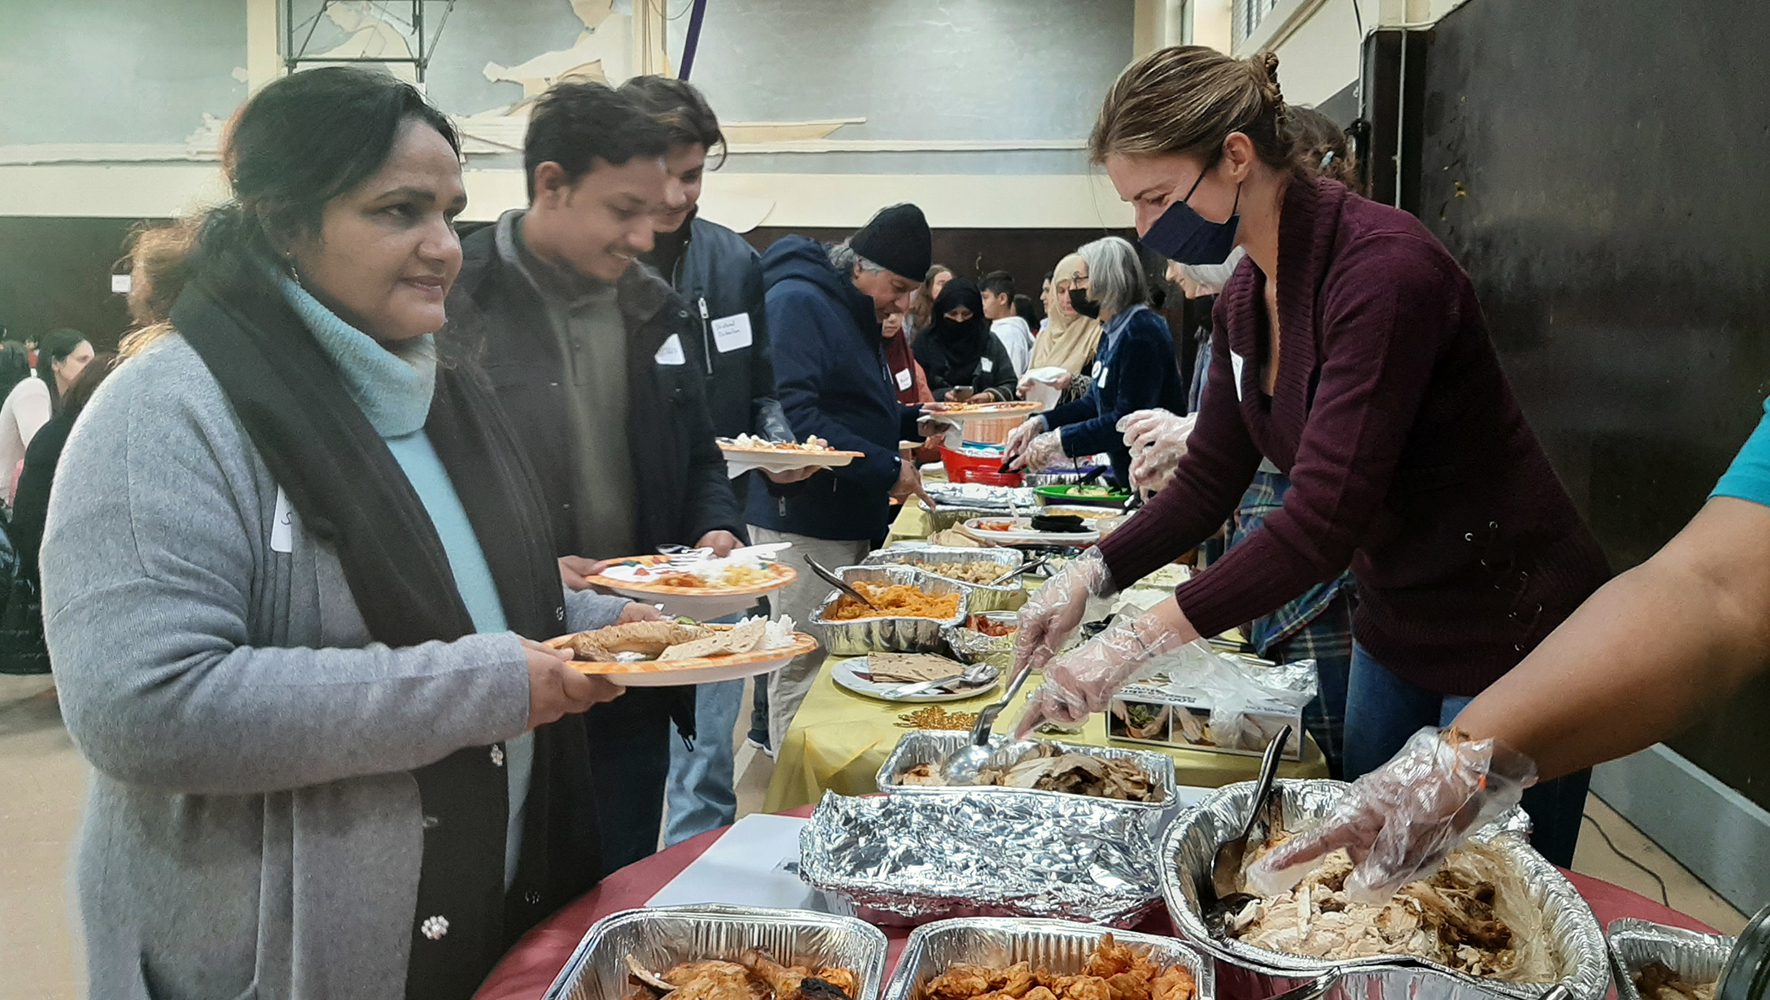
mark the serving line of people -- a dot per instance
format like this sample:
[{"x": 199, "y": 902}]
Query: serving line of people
[{"x": 336, "y": 494}]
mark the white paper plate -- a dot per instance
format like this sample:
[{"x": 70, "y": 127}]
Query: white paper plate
[
  {"x": 1024, "y": 535},
  {"x": 740, "y": 461},
  {"x": 844, "y": 674}
]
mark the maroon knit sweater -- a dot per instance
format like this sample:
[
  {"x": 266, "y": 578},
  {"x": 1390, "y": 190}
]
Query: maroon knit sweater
[{"x": 1408, "y": 455}]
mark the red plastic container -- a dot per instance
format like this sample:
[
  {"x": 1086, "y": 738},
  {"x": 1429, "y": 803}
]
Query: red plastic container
[{"x": 961, "y": 468}]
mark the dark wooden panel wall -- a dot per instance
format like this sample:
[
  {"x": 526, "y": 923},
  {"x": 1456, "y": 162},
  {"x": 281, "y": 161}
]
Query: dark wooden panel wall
[{"x": 1598, "y": 166}]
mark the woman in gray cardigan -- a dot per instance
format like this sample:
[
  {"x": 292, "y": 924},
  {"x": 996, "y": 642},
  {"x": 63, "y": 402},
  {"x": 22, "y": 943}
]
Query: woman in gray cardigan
[{"x": 293, "y": 572}]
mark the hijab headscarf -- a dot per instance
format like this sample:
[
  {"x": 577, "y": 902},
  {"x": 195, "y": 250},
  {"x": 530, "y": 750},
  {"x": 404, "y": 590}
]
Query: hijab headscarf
[
  {"x": 949, "y": 351},
  {"x": 1071, "y": 341}
]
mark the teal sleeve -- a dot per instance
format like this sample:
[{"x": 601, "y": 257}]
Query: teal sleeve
[{"x": 1749, "y": 476}]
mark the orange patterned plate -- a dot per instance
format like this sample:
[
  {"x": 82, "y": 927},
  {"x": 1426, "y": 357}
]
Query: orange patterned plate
[
  {"x": 706, "y": 670},
  {"x": 981, "y": 411}
]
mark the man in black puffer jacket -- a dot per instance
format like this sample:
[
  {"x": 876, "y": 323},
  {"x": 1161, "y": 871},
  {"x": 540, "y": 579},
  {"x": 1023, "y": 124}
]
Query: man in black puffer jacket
[
  {"x": 720, "y": 276},
  {"x": 599, "y": 365},
  {"x": 824, "y": 307}
]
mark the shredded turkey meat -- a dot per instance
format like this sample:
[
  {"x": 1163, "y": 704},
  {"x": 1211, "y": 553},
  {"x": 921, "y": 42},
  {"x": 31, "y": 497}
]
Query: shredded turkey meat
[{"x": 1457, "y": 918}]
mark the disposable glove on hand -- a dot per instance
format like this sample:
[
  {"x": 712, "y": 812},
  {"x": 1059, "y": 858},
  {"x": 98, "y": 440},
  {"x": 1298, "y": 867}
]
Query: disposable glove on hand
[{"x": 1401, "y": 820}]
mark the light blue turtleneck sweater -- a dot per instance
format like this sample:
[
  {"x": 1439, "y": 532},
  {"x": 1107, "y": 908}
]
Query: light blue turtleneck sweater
[{"x": 394, "y": 385}]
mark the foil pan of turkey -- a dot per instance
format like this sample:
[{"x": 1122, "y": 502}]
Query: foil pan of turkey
[{"x": 1497, "y": 921}]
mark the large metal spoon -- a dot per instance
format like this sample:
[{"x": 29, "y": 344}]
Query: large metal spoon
[
  {"x": 1226, "y": 869},
  {"x": 837, "y": 582},
  {"x": 962, "y": 767}
]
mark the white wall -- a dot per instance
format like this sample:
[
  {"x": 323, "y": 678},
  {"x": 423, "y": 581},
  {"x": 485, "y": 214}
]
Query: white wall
[{"x": 1318, "y": 41}]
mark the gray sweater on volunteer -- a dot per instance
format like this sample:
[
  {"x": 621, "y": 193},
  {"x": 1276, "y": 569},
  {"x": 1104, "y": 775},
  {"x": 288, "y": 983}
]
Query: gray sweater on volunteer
[{"x": 252, "y": 828}]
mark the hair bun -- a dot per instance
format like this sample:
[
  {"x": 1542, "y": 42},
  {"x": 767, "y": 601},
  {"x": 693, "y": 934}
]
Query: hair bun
[{"x": 1265, "y": 67}]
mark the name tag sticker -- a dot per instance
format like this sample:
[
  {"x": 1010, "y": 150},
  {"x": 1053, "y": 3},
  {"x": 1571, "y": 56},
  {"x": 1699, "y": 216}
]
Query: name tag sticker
[
  {"x": 904, "y": 379},
  {"x": 1100, "y": 378},
  {"x": 1237, "y": 363},
  {"x": 282, "y": 527},
  {"x": 986, "y": 364},
  {"x": 671, "y": 352},
  {"x": 731, "y": 333}
]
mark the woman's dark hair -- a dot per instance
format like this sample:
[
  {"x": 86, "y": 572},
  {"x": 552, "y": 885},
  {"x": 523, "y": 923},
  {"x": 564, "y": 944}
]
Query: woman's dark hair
[
  {"x": 1321, "y": 146},
  {"x": 15, "y": 365},
  {"x": 681, "y": 109},
  {"x": 55, "y": 346},
  {"x": 1027, "y": 308},
  {"x": 93, "y": 375},
  {"x": 575, "y": 124},
  {"x": 296, "y": 145}
]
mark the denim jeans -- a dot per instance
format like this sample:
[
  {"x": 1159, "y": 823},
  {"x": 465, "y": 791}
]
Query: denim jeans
[
  {"x": 701, "y": 790},
  {"x": 1383, "y": 710}
]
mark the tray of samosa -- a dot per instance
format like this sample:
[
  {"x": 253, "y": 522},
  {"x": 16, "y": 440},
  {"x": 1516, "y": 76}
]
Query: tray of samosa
[{"x": 670, "y": 652}]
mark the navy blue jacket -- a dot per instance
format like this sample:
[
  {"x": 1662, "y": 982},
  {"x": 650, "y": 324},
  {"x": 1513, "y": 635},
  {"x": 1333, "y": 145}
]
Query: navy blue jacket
[
  {"x": 832, "y": 380},
  {"x": 1135, "y": 371}
]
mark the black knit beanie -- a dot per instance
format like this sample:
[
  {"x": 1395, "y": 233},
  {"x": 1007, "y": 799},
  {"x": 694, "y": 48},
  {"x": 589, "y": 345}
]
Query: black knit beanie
[{"x": 898, "y": 240}]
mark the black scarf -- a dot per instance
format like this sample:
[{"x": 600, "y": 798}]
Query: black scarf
[
  {"x": 950, "y": 352},
  {"x": 349, "y": 491}
]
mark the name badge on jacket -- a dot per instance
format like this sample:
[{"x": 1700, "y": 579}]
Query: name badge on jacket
[
  {"x": 905, "y": 380},
  {"x": 731, "y": 333},
  {"x": 986, "y": 364},
  {"x": 1100, "y": 373},
  {"x": 1237, "y": 363},
  {"x": 282, "y": 524},
  {"x": 671, "y": 352}
]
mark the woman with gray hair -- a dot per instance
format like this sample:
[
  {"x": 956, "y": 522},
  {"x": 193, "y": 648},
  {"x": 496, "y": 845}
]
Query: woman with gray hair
[{"x": 1135, "y": 368}]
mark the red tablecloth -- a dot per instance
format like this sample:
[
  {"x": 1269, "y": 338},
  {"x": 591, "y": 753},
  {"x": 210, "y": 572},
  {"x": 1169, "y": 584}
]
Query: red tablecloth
[{"x": 532, "y": 965}]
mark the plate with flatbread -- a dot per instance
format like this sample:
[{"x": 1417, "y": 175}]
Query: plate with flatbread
[{"x": 668, "y": 653}]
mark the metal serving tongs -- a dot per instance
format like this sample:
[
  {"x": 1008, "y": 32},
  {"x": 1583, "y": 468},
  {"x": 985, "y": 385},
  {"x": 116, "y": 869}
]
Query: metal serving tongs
[
  {"x": 837, "y": 582},
  {"x": 963, "y": 766},
  {"x": 1025, "y": 568}
]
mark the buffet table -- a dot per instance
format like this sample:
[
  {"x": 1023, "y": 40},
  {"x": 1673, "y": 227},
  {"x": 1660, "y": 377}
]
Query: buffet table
[
  {"x": 840, "y": 739},
  {"x": 530, "y": 968}
]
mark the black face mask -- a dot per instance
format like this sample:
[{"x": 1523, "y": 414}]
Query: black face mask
[{"x": 1079, "y": 301}]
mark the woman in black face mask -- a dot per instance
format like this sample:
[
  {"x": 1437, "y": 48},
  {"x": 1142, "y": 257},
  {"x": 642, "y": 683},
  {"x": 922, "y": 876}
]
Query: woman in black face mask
[
  {"x": 959, "y": 350},
  {"x": 1134, "y": 369}
]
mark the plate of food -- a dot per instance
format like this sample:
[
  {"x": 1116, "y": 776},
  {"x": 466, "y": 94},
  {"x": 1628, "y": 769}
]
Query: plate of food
[
  {"x": 905, "y": 678},
  {"x": 965, "y": 412},
  {"x": 746, "y": 452},
  {"x": 1082, "y": 495},
  {"x": 1040, "y": 529},
  {"x": 706, "y": 588},
  {"x": 667, "y": 653}
]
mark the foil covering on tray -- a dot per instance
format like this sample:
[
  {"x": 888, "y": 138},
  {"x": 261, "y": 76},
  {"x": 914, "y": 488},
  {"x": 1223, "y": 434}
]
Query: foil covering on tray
[
  {"x": 888, "y": 635},
  {"x": 909, "y": 859},
  {"x": 930, "y": 558},
  {"x": 1057, "y": 945},
  {"x": 660, "y": 937},
  {"x": 1697, "y": 958},
  {"x": 1190, "y": 846},
  {"x": 927, "y": 746}
]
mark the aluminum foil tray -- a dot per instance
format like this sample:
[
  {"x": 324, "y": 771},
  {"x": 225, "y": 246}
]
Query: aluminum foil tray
[
  {"x": 1698, "y": 958},
  {"x": 907, "y": 859},
  {"x": 888, "y": 635},
  {"x": 926, "y": 746},
  {"x": 930, "y": 558},
  {"x": 1057, "y": 945},
  {"x": 662, "y": 936},
  {"x": 1191, "y": 844}
]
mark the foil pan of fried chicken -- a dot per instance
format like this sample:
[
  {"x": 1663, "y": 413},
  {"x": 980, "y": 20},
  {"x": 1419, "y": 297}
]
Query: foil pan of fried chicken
[
  {"x": 1497, "y": 918},
  {"x": 991, "y": 958},
  {"x": 724, "y": 953},
  {"x": 1138, "y": 782},
  {"x": 916, "y": 607},
  {"x": 974, "y": 568},
  {"x": 1656, "y": 962},
  {"x": 903, "y": 860}
]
